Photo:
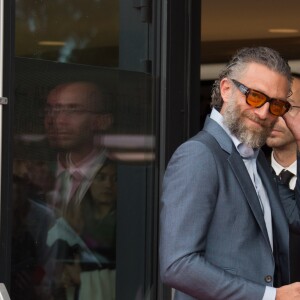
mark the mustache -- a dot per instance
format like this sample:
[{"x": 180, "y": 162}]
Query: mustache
[
  {"x": 53, "y": 131},
  {"x": 263, "y": 123}
]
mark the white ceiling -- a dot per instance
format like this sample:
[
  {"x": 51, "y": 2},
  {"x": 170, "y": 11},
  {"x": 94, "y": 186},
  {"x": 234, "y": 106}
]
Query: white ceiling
[
  {"x": 232, "y": 24},
  {"x": 237, "y": 19}
]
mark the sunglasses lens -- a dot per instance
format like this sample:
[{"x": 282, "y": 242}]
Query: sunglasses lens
[
  {"x": 279, "y": 107},
  {"x": 256, "y": 99}
]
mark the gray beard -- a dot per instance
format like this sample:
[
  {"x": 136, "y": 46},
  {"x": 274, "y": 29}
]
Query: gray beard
[{"x": 233, "y": 119}]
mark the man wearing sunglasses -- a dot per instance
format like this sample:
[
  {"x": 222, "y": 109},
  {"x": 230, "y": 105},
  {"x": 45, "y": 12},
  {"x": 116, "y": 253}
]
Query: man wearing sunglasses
[
  {"x": 225, "y": 219},
  {"x": 284, "y": 161}
]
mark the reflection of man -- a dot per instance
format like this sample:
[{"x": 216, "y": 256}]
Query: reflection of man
[
  {"x": 284, "y": 157},
  {"x": 75, "y": 112},
  {"x": 224, "y": 229},
  {"x": 75, "y": 115}
]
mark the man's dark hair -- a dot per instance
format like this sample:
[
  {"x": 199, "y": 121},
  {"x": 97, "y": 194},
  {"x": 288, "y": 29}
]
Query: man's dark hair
[{"x": 261, "y": 55}]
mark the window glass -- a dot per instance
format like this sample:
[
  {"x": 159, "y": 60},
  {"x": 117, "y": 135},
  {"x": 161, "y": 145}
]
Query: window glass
[
  {"x": 82, "y": 31},
  {"x": 83, "y": 155}
]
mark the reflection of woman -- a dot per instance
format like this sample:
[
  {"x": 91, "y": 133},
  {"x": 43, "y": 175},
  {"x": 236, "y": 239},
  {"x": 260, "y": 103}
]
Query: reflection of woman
[
  {"x": 96, "y": 270},
  {"x": 98, "y": 209}
]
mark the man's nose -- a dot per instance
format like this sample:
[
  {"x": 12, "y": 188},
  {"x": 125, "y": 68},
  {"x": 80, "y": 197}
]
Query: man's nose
[
  {"x": 263, "y": 112},
  {"x": 56, "y": 118}
]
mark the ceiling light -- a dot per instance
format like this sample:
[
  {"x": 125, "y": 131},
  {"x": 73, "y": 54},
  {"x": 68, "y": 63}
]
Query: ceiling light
[
  {"x": 51, "y": 43},
  {"x": 283, "y": 30}
]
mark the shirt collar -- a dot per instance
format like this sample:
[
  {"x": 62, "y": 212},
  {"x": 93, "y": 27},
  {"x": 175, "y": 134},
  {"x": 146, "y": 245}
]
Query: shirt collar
[
  {"x": 245, "y": 151},
  {"x": 278, "y": 167},
  {"x": 84, "y": 167}
]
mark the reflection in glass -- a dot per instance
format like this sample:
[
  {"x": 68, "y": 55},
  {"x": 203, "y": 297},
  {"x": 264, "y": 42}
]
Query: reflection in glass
[
  {"x": 77, "y": 124},
  {"x": 83, "y": 236},
  {"x": 84, "y": 31},
  {"x": 77, "y": 187}
]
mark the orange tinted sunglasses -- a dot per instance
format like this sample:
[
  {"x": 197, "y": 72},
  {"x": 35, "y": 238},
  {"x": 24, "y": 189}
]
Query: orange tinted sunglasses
[{"x": 278, "y": 107}]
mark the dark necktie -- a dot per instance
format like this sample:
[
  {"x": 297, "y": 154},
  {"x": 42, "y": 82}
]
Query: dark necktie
[{"x": 285, "y": 176}]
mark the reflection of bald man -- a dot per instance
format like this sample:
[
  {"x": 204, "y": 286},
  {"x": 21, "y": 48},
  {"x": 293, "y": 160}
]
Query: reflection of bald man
[
  {"x": 284, "y": 156},
  {"x": 75, "y": 112}
]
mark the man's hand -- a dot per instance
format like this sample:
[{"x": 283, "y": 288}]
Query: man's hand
[{"x": 288, "y": 292}]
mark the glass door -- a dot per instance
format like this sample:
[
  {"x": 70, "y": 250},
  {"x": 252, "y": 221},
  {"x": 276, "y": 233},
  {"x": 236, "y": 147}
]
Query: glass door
[{"x": 84, "y": 149}]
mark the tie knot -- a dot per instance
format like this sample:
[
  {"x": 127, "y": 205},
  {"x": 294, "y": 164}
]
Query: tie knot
[{"x": 285, "y": 176}]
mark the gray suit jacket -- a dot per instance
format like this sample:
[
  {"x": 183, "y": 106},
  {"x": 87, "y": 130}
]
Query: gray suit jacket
[{"x": 213, "y": 240}]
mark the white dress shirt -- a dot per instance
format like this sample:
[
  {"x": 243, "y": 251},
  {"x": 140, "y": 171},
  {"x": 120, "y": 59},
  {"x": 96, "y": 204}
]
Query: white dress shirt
[
  {"x": 87, "y": 169},
  {"x": 292, "y": 168}
]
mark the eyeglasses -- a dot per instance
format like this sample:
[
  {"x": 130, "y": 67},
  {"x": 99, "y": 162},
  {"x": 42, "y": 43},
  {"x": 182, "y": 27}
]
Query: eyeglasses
[
  {"x": 278, "y": 107},
  {"x": 67, "y": 111}
]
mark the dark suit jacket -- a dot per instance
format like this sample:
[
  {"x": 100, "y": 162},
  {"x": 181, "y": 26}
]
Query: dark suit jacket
[
  {"x": 213, "y": 240},
  {"x": 294, "y": 241}
]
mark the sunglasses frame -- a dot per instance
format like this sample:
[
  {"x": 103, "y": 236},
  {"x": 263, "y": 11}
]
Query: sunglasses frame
[{"x": 246, "y": 91}]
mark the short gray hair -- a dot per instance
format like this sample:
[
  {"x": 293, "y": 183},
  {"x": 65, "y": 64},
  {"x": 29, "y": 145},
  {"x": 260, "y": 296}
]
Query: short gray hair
[{"x": 261, "y": 55}]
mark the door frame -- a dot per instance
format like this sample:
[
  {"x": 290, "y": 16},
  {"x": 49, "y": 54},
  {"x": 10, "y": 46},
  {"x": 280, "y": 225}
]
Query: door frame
[
  {"x": 179, "y": 84},
  {"x": 7, "y": 90}
]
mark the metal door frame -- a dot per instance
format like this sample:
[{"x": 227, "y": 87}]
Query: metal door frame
[{"x": 7, "y": 11}]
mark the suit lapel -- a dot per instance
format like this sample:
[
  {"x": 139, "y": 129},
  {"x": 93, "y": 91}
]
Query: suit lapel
[
  {"x": 239, "y": 169},
  {"x": 280, "y": 226}
]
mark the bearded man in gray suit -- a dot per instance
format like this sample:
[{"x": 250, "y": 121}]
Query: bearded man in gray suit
[{"x": 225, "y": 217}]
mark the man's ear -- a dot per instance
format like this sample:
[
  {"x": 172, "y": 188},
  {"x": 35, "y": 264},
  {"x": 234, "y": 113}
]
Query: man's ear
[
  {"x": 226, "y": 89},
  {"x": 103, "y": 122}
]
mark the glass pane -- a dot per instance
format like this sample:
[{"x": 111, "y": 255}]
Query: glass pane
[
  {"x": 84, "y": 32},
  {"x": 83, "y": 156}
]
